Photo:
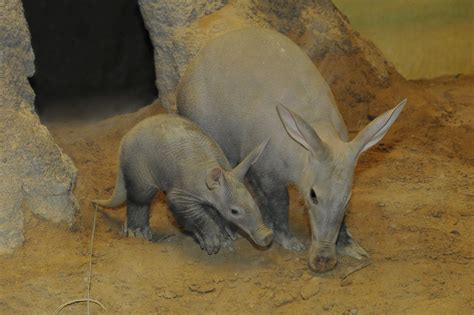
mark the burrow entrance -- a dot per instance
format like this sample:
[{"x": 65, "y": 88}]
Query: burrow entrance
[{"x": 93, "y": 59}]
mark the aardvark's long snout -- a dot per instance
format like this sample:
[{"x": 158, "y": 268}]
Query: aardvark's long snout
[
  {"x": 322, "y": 256},
  {"x": 262, "y": 235}
]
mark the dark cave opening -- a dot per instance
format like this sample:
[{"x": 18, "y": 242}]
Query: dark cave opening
[{"x": 93, "y": 58}]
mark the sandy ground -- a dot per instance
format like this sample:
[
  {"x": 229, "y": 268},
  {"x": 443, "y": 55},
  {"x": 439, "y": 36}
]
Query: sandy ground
[{"x": 412, "y": 209}]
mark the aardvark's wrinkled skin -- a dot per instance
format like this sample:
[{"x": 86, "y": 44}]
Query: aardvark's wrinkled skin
[
  {"x": 171, "y": 154},
  {"x": 254, "y": 84}
]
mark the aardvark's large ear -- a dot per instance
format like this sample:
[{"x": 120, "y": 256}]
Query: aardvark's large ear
[
  {"x": 215, "y": 178},
  {"x": 377, "y": 129},
  {"x": 302, "y": 132},
  {"x": 240, "y": 170}
]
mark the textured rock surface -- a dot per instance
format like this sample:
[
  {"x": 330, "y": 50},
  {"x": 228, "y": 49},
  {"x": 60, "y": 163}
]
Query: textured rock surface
[
  {"x": 16, "y": 57},
  {"x": 34, "y": 173},
  {"x": 179, "y": 28}
]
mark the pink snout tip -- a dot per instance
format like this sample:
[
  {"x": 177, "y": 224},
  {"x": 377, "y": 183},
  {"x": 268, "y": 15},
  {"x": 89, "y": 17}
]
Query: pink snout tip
[
  {"x": 321, "y": 264},
  {"x": 322, "y": 257},
  {"x": 263, "y": 236}
]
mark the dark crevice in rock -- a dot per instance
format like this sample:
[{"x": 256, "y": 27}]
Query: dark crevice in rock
[{"x": 93, "y": 58}]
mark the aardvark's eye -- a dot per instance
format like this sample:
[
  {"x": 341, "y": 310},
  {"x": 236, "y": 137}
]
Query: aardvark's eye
[
  {"x": 313, "y": 196},
  {"x": 235, "y": 211}
]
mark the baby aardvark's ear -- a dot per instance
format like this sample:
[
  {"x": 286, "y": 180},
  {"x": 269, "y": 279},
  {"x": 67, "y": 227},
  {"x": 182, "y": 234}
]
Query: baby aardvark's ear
[
  {"x": 215, "y": 178},
  {"x": 240, "y": 170},
  {"x": 377, "y": 129}
]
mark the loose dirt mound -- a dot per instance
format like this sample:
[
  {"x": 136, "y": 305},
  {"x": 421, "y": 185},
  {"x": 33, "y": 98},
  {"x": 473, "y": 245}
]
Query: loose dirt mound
[{"x": 412, "y": 209}]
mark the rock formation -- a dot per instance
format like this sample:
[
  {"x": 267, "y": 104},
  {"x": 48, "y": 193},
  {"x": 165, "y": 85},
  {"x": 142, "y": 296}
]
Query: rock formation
[
  {"x": 179, "y": 28},
  {"x": 34, "y": 174}
]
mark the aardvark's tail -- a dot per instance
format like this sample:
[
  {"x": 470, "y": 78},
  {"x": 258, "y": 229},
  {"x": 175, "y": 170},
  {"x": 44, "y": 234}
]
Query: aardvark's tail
[{"x": 120, "y": 193}]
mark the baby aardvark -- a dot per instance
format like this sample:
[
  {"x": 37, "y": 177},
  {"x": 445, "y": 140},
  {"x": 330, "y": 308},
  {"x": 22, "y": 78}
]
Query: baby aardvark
[{"x": 171, "y": 154}]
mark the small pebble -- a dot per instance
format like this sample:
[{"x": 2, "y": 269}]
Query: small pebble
[
  {"x": 346, "y": 282},
  {"x": 455, "y": 232},
  {"x": 166, "y": 294},
  {"x": 306, "y": 277},
  {"x": 310, "y": 289},
  {"x": 281, "y": 299},
  {"x": 202, "y": 288},
  {"x": 327, "y": 307}
]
